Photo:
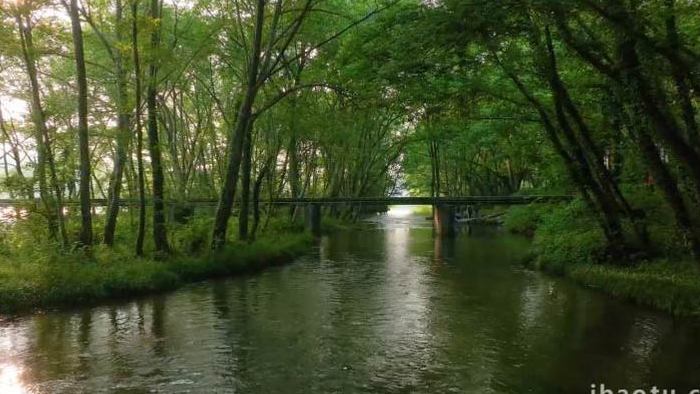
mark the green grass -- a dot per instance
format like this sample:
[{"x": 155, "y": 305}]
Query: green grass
[
  {"x": 35, "y": 274},
  {"x": 525, "y": 219},
  {"x": 568, "y": 242},
  {"x": 672, "y": 287},
  {"x": 75, "y": 279}
]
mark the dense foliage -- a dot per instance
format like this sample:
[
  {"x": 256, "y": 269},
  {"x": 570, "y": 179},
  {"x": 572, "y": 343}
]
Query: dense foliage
[
  {"x": 211, "y": 101},
  {"x": 242, "y": 101}
]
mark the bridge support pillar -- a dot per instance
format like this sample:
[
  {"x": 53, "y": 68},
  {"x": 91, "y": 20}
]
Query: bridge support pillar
[
  {"x": 444, "y": 220},
  {"x": 313, "y": 219}
]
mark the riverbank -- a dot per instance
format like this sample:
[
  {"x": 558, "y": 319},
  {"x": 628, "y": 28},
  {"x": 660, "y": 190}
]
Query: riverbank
[
  {"x": 567, "y": 242},
  {"x": 73, "y": 279}
]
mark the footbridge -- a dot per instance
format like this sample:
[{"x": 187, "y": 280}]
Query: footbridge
[{"x": 445, "y": 209}]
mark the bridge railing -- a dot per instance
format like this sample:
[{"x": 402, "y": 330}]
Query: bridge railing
[{"x": 470, "y": 200}]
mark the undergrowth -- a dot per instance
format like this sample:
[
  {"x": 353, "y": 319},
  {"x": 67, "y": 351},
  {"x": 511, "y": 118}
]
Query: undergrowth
[
  {"x": 567, "y": 241},
  {"x": 34, "y": 273}
]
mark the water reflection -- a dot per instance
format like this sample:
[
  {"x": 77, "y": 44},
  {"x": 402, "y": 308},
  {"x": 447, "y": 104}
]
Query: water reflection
[
  {"x": 10, "y": 380},
  {"x": 387, "y": 310}
]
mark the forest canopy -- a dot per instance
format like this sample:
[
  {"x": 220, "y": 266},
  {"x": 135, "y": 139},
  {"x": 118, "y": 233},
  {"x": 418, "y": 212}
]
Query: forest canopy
[{"x": 160, "y": 103}]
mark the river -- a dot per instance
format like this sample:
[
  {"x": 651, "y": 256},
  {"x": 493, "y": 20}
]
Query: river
[{"x": 390, "y": 309}]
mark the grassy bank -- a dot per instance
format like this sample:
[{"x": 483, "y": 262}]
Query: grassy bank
[
  {"x": 74, "y": 279},
  {"x": 34, "y": 275},
  {"x": 567, "y": 242}
]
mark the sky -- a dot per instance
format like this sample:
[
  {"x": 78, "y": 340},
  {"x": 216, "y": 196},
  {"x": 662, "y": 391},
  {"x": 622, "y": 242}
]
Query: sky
[{"x": 12, "y": 108}]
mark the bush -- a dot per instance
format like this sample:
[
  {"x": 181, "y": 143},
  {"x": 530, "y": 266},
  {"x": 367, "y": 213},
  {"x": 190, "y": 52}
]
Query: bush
[
  {"x": 567, "y": 235},
  {"x": 76, "y": 279},
  {"x": 193, "y": 237},
  {"x": 524, "y": 219},
  {"x": 568, "y": 241}
]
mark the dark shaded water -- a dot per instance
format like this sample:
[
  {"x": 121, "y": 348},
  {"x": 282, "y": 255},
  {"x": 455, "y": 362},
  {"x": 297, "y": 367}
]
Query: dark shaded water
[{"x": 387, "y": 310}]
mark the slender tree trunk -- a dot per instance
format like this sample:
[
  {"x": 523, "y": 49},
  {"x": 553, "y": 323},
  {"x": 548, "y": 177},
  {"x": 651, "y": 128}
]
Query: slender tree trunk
[
  {"x": 634, "y": 90},
  {"x": 283, "y": 175},
  {"x": 120, "y": 161},
  {"x": 53, "y": 206},
  {"x": 682, "y": 87},
  {"x": 160, "y": 236},
  {"x": 85, "y": 238},
  {"x": 141, "y": 172},
  {"x": 664, "y": 179},
  {"x": 681, "y": 58},
  {"x": 28, "y": 188},
  {"x": 582, "y": 182},
  {"x": 293, "y": 174},
  {"x": 293, "y": 149},
  {"x": 256, "y": 196},
  {"x": 655, "y": 106},
  {"x": 649, "y": 150},
  {"x": 58, "y": 192},
  {"x": 235, "y": 148},
  {"x": 246, "y": 170},
  {"x": 14, "y": 151},
  {"x": 605, "y": 202},
  {"x": 7, "y": 141},
  {"x": 586, "y": 169},
  {"x": 37, "y": 113},
  {"x": 587, "y": 151},
  {"x": 5, "y": 163}
]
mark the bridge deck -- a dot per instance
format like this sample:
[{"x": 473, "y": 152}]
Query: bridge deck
[{"x": 472, "y": 200}]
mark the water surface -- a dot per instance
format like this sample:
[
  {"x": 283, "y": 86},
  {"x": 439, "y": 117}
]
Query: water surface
[{"x": 390, "y": 309}]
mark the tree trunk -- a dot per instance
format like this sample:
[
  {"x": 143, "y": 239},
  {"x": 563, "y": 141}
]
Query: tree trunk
[
  {"x": 664, "y": 179},
  {"x": 53, "y": 206},
  {"x": 587, "y": 151},
  {"x": 14, "y": 151},
  {"x": 654, "y": 104},
  {"x": 120, "y": 160},
  {"x": 256, "y": 196},
  {"x": 141, "y": 175},
  {"x": 586, "y": 171},
  {"x": 245, "y": 186},
  {"x": 85, "y": 238},
  {"x": 160, "y": 236},
  {"x": 235, "y": 148},
  {"x": 686, "y": 102},
  {"x": 649, "y": 150},
  {"x": 293, "y": 174},
  {"x": 611, "y": 230}
]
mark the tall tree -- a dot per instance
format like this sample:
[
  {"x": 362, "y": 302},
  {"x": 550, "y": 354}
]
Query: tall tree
[
  {"x": 238, "y": 134},
  {"x": 83, "y": 143},
  {"x": 160, "y": 235},
  {"x": 141, "y": 173},
  {"x": 123, "y": 132},
  {"x": 53, "y": 204}
]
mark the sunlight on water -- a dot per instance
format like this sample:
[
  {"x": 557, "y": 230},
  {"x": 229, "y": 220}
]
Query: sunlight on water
[
  {"x": 401, "y": 211},
  {"x": 394, "y": 309},
  {"x": 10, "y": 382}
]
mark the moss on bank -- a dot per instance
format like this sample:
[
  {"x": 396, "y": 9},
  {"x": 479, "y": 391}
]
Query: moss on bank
[
  {"x": 568, "y": 242},
  {"x": 74, "y": 279},
  {"x": 672, "y": 287}
]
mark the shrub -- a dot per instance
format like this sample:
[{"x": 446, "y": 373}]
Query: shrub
[
  {"x": 568, "y": 241},
  {"x": 35, "y": 273},
  {"x": 524, "y": 219}
]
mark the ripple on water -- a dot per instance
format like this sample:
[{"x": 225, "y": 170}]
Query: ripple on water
[{"x": 392, "y": 310}]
